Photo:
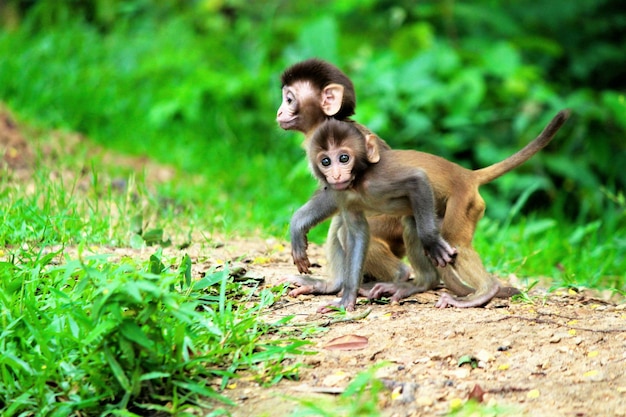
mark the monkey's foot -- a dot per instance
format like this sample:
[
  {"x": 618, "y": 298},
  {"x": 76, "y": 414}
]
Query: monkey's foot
[
  {"x": 472, "y": 300},
  {"x": 308, "y": 285},
  {"x": 306, "y": 289},
  {"x": 446, "y": 300},
  {"x": 349, "y": 304},
  {"x": 364, "y": 291},
  {"x": 396, "y": 291}
]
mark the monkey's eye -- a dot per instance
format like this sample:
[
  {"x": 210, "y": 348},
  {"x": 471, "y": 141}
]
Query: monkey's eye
[
  {"x": 343, "y": 158},
  {"x": 325, "y": 161}
]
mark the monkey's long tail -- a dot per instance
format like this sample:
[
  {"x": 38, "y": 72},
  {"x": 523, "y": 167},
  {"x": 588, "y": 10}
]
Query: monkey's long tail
[{"x": 492, "y": 172}]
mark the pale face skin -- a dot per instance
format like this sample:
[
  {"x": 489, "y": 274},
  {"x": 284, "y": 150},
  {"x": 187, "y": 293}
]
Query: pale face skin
[
  {"x": 336, "y": 165},
  {"x": 304, "y": 106},
  {"x": 288, "y": 113}
]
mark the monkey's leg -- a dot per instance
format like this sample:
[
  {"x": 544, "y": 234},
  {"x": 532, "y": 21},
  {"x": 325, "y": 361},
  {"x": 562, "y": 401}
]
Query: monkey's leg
[
  {"x": 469, "y": 280},
  {"x": 470, "y": 270},
  {"x": 353, "y": 237},
  {"x": 388, "y": 229},
  {"x": 382, "y": 265},
  {"x": 426, "y": 277},
  {"x": 346, "y": 248},
  {"x": 384, "y": 256},
  {"x": 425, "y": 271}
]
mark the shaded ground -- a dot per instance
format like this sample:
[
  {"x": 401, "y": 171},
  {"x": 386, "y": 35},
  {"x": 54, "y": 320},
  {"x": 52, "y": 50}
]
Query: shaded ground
[{"x": 564, "y": 354}]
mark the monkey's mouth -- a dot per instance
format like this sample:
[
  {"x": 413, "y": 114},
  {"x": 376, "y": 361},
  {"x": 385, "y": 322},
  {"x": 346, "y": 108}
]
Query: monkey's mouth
[
  {"x": 287, "y": 124},
  {"x": 339, "y": 186}
]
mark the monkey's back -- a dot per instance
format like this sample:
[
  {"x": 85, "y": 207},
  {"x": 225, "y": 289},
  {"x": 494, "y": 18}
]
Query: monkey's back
[
  {"x": 387, "y": 186},
  {"x": 443, "y": 174}
]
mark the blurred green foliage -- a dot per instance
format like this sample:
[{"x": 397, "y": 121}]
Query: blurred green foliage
[{"x": 195, "y": 83}]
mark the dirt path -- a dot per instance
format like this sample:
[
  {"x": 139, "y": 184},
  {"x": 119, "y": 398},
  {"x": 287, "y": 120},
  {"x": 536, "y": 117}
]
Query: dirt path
[{"x": 562, "y": 355}]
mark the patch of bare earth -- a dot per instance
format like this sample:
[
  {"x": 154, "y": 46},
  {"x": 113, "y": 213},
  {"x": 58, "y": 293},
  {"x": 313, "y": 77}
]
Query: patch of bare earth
[
  {"x": 562, "y": 355},
  {"x": 19, "y": 156}
]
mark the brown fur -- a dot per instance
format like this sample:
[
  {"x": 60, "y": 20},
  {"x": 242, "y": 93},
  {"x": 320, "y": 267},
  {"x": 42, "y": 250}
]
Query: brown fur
[
  {"x": 360, "y": 177},
  {"x": 458, "y": 202}
]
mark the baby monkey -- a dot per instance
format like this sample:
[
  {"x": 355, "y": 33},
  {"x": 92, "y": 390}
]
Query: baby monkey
[{"x": 360, "y": 177}]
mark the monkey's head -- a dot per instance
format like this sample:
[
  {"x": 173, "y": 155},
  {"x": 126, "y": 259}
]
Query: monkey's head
[
  {"x": 314, "y": 90},
  {"x": 339, "y": 153}
]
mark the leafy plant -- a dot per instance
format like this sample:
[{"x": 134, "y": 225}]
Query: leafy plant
[{"x": 95, "y": 335}]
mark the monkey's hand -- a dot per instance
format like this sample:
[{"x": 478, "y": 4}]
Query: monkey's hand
[
  {"x": 440, "y": 252},
  {"x": 301, "y": 260},
  {"x": 299, "y": 244}
]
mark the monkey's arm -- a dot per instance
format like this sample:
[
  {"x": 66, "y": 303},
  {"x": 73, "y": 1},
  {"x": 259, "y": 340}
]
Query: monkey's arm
[
  {"x": 320, "y": 207},
  {"x": 422, "y": 199}
]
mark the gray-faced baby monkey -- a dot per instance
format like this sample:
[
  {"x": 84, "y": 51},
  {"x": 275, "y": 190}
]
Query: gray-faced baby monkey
[{"x": 359, "y": 177}]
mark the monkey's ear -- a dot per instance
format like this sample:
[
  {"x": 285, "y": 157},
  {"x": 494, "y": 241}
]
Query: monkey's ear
[
  {"x": 371, "y": 146},
  {"x": 332, "y": 97}
]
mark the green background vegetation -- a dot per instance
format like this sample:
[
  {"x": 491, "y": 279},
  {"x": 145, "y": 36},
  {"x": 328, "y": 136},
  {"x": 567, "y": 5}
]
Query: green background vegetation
[{"x": 195, "y": 84}]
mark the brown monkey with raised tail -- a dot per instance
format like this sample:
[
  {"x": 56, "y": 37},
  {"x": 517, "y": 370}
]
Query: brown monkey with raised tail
[{"x": 315, "y": 91}]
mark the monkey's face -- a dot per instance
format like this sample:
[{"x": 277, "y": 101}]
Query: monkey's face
[
  {"x": 300, "y": 108},
  {"x": 305, "y": 105},
  {"x": 337, "y": 167},
  {"x": 287, "y": 115}
]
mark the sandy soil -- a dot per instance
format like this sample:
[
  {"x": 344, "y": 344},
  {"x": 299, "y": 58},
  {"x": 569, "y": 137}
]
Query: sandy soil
[{"x": 564, "y": 354}]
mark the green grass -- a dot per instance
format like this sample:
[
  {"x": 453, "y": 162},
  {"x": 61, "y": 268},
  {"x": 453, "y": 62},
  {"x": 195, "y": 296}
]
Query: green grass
[
  {"x": 590, "y": 255},
  {"x": 569, "y": 255},
  {"x": 92, "y": 334},
  {"x": 84, "y": 332},
  {"x": 183, "y": 108}
]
